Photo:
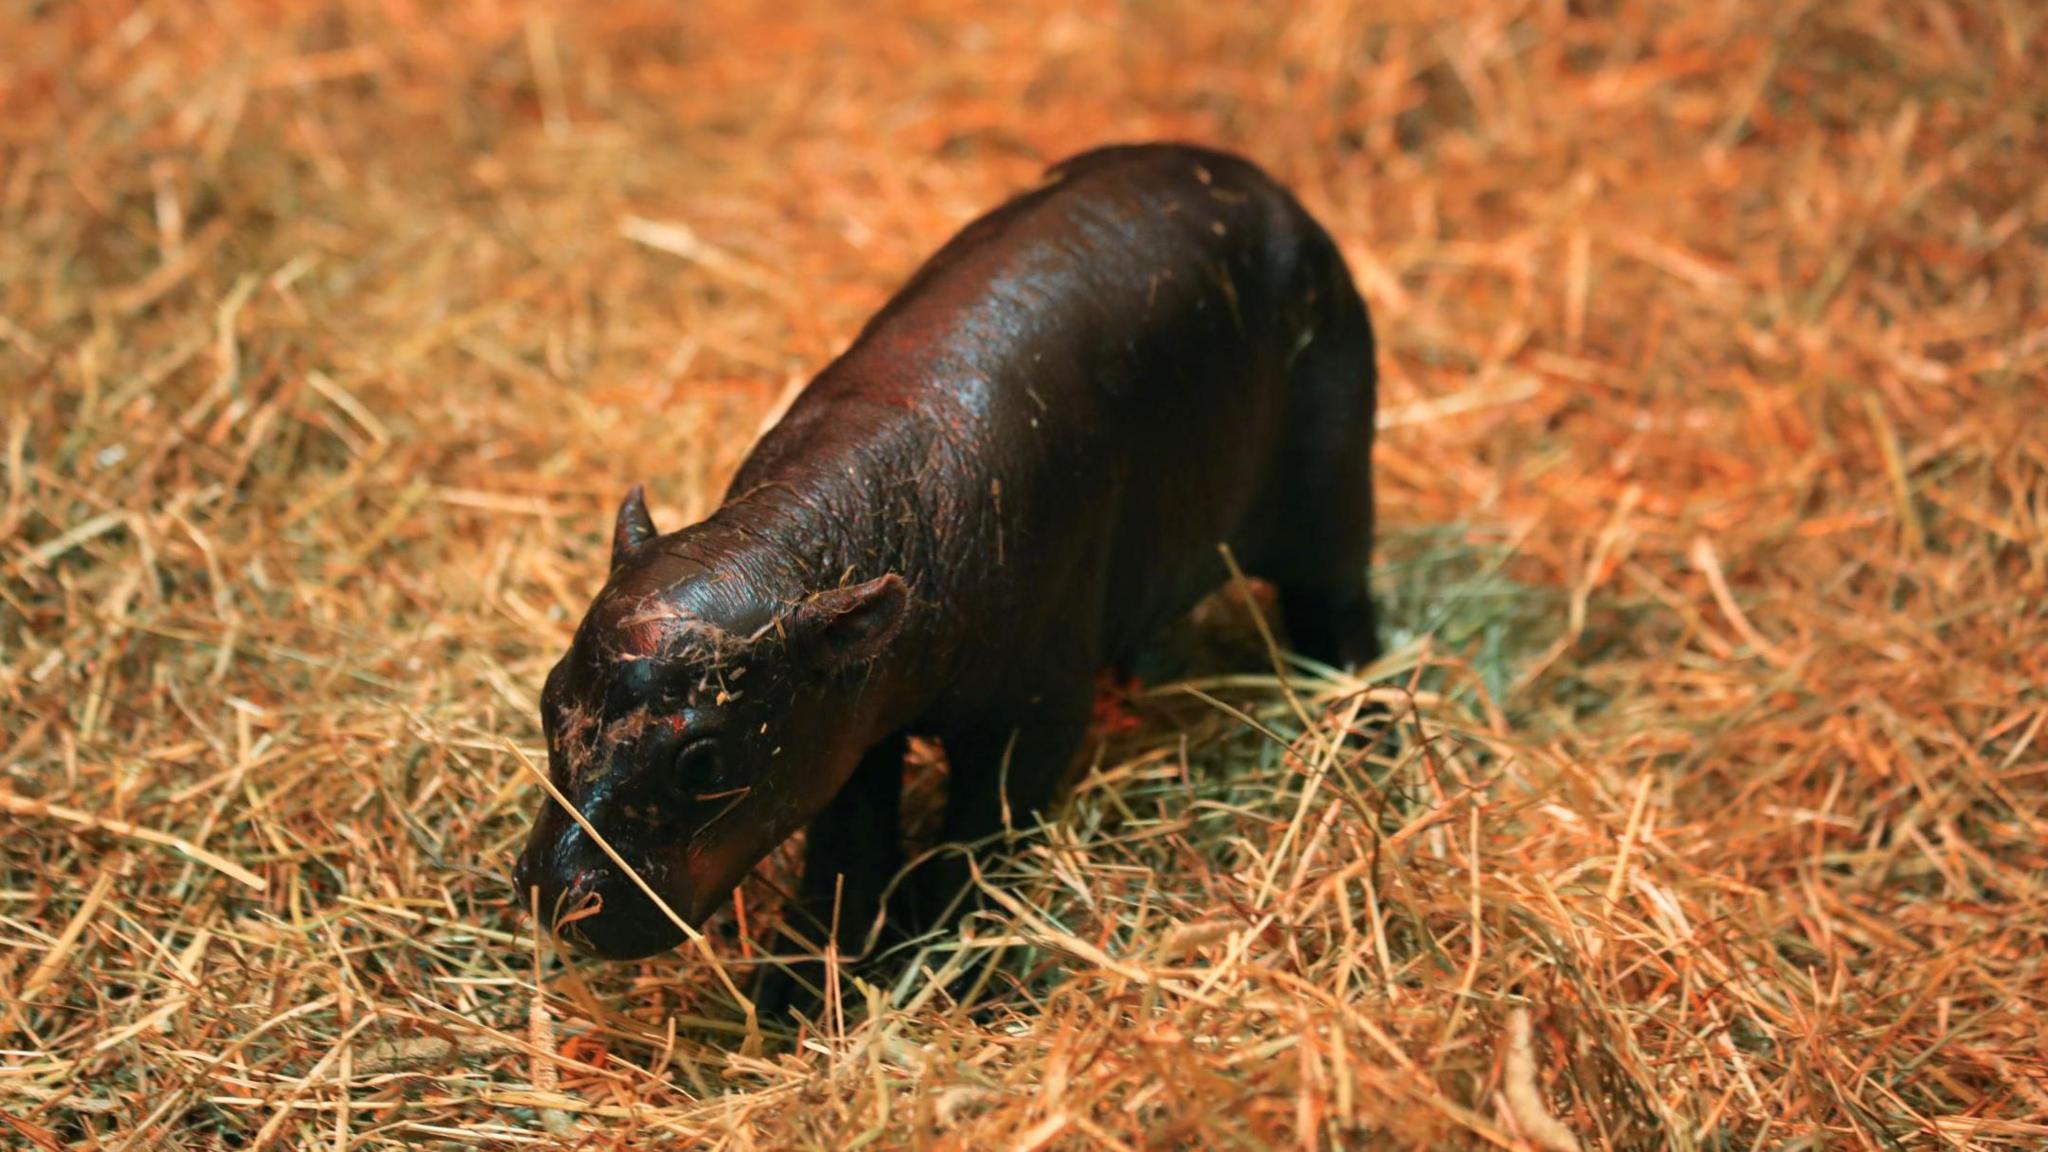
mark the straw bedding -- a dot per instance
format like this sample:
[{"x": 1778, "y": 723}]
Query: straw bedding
[{"x": 1715, "y": 553}]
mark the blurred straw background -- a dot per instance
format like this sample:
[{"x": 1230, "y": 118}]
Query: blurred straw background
[{"x": 1715, "y": 500}]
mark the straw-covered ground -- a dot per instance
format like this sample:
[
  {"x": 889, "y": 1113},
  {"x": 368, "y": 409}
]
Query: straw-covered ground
[{"x": 1714, "y": 489}]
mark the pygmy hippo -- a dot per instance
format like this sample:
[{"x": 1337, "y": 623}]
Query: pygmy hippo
[{"x": 1023, "y": 465}]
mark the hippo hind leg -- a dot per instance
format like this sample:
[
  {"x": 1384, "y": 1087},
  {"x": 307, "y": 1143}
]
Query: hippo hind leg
[
  {"x": 1334, "y": 627},
  {"x": 1319, "y": 542}
]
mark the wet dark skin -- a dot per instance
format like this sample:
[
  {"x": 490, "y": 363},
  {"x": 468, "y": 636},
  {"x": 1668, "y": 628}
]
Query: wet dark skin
[{"x": 1020, "y": 470}]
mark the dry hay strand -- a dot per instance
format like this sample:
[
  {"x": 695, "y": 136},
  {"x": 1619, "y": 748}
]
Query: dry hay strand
[{"x": 1715, "y": 550}]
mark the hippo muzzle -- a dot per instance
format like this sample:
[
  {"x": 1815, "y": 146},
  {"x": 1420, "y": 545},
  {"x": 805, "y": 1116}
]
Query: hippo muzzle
[
  {"x": 590, "y": 903},
  {"x": 593, "y": 905}
]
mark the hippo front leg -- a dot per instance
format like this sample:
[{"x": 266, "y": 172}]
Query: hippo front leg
[
  {"x": 851, "y": 851},
  {"x": 1003, "y": 772}
]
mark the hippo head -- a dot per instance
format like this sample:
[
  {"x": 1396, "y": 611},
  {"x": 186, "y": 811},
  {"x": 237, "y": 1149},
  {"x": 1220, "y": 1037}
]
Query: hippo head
[{"x": 707, "y": 708}]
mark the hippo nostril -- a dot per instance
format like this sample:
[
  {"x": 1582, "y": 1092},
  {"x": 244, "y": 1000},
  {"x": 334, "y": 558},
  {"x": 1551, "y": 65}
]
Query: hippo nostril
[{"x": 577, "y": 899}]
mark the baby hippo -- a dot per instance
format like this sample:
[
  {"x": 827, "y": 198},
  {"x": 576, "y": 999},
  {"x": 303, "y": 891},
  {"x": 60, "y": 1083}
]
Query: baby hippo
[{"x": 1023, "y": 466}]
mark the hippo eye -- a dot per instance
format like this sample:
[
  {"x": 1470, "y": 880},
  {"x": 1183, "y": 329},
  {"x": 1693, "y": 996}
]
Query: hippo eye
[{"x": 695, "y": 762}]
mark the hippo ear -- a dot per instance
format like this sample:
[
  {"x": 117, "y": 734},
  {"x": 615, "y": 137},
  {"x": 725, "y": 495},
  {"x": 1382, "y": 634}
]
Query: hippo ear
[
  {"x": 852, "y": 624},
  {"x": 635, "y": 527}
]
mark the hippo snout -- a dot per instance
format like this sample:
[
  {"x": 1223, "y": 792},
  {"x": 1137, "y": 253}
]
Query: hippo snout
[
  {"x": 524, "y": 877},
  {"x": 588, "y": 902}
]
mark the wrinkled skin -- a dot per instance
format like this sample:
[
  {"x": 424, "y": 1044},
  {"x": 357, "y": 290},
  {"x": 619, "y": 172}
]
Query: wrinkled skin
[{"x": 1020, "y": 469}]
